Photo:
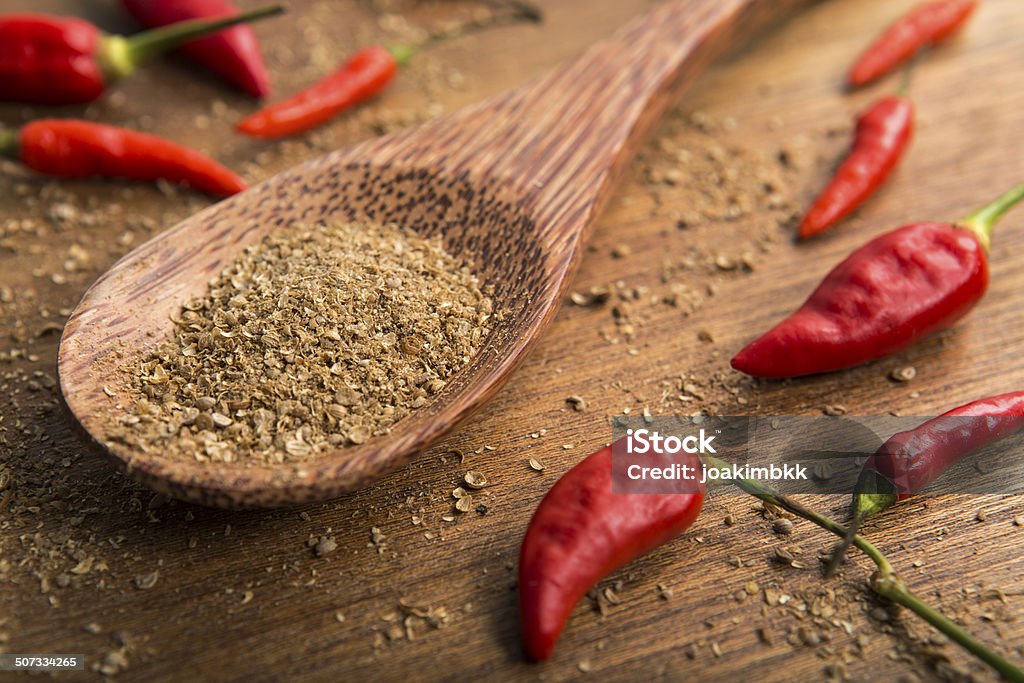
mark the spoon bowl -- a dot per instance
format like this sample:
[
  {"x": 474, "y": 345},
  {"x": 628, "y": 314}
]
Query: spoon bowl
[{"x": 512, "y": 186}]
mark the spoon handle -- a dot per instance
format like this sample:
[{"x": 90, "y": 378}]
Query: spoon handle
[{"x": 567, "y": 135}]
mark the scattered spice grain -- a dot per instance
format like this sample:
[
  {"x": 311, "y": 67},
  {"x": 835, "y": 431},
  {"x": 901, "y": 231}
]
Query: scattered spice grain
[
  {"x": 904, "y": 374},
  {"x": 324, "y": 546},
  {"x": 146, "y": 581},
  {"x": 782, "y": 526},
  {"x": 578, "y": 403},
  {"x": 475, "y": 479}
]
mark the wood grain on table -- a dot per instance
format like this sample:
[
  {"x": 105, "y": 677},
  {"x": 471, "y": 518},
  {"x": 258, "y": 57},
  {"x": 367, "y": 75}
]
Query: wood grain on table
[{"x": 151, "y": 589}]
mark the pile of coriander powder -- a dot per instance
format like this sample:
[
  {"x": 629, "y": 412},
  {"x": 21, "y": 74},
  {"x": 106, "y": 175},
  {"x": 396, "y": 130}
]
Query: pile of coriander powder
[{"x": 315, "y": 338}]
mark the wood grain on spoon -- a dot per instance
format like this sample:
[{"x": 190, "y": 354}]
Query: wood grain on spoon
[{"x": 513, "y": 185}]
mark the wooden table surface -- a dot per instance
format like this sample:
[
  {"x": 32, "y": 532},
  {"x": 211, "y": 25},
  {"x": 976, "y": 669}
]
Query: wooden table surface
[{"x": 150, "y": 589}]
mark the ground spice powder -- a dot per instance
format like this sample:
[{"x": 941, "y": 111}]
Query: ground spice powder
[{"x": 315, "y": 338}]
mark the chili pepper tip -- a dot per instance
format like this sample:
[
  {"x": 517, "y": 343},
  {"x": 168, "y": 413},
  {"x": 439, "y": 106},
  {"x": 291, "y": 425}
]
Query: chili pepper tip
[{"x": 983, "y": 221}]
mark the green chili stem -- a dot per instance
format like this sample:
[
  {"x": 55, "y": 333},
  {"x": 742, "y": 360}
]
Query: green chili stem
[
  {"x": 983, "y": 221},
  {"x": 120, "y": 55},
  {"x": 894, "y": 589},
  {"x": 903, "y": 89},
  {"x": 839, "y": 553},
  {"x": 767, "y": 494},
  {"x": 518, "y": 10},
  {"x": 403, "y": 52},
  {"x": 872, "y": 494},
  {"x": 885, "y": 582},
  {"x": 8, "y": 143}
]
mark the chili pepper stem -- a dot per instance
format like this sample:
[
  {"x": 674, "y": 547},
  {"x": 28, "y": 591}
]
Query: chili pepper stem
[
  {"x": 403, "y": 53},
  {"x": 519, "y": 11},
  {"x": 844, "y": 545},
  {"x": 872, "y": 494},
  {"x": 903, "y": 89},
  {"x": 8, "y": 143},
  {"x": 983, "y": 221},
  {"x": 120, "y": 55},
  {"x": 885, "y": 582},
  {"x": 892, "y": 588}
]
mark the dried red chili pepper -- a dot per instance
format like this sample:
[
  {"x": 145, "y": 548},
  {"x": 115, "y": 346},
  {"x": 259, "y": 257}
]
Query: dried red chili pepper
[
  {"x": 362, "y": 76},
  {"x": 883, "y": 132},
  {"x": 233, "y": 54},
  {"x": 896, "y": 289},
  {"x": 925, "y": 25},
  {"x": 911, "y": 460},
  {"x": 583, "y": 531},
  {"x": 55, "y": 60},
  {"x": 79, "y": 149}
]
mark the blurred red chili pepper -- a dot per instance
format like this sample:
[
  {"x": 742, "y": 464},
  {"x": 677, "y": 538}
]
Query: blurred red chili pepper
[
  {"x": 234, "y": 54},
  {"x": 909, "y": 461},
  {"x": 893, "y": 291},
  {"x": 54, "y": 60},
  {"x": 79, "y": 149},
  {"x": 924, "y": 25},
  {"x": 883, "y": 133},
  {"x": 583, "y": 531},
  {"x": 362, "y": 76}
]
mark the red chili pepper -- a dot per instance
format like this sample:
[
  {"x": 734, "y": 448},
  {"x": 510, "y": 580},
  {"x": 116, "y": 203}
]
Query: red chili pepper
[
  {"x": 363, "y": 75},
  {"x": 909, "y": 461},
  {"x": 54, "y": 60},
  {"x": 583, "y": 531},
  {"x": 913, "y": 459},
  {"x": 80, "y": 149},
  {"x": 925, "y": 25},
  {"x": 893, "y": 291},
  {"x": 233, "y": 54},
  {"x": 883, "y": 132}
]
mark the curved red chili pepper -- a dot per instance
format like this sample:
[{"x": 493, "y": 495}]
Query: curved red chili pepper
[
  {"x": 886, "y": 295},
  {"x": 883, "y": 132},
  {"x": 362, "y": 76},
  {"x": 583, "y": 531},
  {"x": 911, "y": 460},
  {"x": 234, "y": 54},
  {"x": 53, "y": 60},
  {"x": 81, "y": 149},
  {"x": 926, "y": 24}
]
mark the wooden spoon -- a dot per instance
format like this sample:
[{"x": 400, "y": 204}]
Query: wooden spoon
[{"x": 512, "y": 184}]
